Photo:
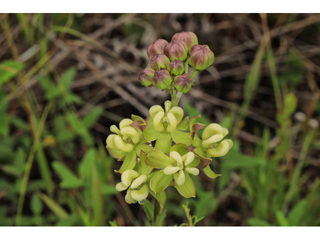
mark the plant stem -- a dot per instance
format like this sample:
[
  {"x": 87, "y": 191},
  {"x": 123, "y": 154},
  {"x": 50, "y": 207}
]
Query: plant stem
[
  {"x": 186, "y": 67},
  {"x": 156, "y": 212},
  {"x": 175, "y": 98},
  {"x": 193, "y": 74}
]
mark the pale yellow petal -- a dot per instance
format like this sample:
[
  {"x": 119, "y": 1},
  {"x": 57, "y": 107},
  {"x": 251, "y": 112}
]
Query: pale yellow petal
[
  {"x": 157, "y": 121},
  {"x": 110, "y": 141},
  {"x": 137, "y": 182},
  {"x": 115, "y": 129},
  {"x": 127, "y": 147},
  {"x": 171, "y": 170},
  {"x": 225, "y": 132},
  {"x": 176, "y": 156},
  {"x": 132, "y": 133},
  {"x": 212, "y": 139},
  {"x": 121, "y": 187},
  {"x": 179, "y": 178},
  {"x": 172, "y": 122},
  {"x": 178, "y": 113},
  {"x": 125, "y": 123},
  {"x": 193, "y": 171},
  {"x": 154, "y": 110},
  {"x": 188, "y": 158},
  {"x": 140, "y": 194},
  {"x": 211, "y": 129},
  {"x": 129, "y": 198},
  {"x": 221, "y": 150},
  {"x": 127, "y": 177}
]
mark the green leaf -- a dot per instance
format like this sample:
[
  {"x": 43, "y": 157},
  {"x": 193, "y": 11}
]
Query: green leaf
[
  {"x": 160, "y": 182},
  {"x": 184, "y": 125},
  {"x": 283, "y": 221},
  {"x": 9, "y": 69},
  {"x": 297, "y": 213},
  {"x": 164, "y": 143},
  {"x": 181, "y": 137},
  {"x": 36, "y": 204},
  {"x": 97, "y": 202},
  {"x": 148, "y": 208},
  {"x": 92, "y": 117},
  {"x": 107, "y": 189},
  {"x": 144, "y": 168},
  {"x": 69, "y": 179},
  {"x": 157, "y": 159},
  {"x": 129, "y": 162},
  {"x": 161, "y": 197},
  {"x": 210, "y": 173},
  {"x": 68, "y": 77},
  {"x": 188, "y": 189},
  {"x": 86, "y": 164},
  {"x": 150, "y": 134},
  {"x": 54, "y": 207},
  {"x": 4, "y": 125},
  {"x": 238, "y": 160}
]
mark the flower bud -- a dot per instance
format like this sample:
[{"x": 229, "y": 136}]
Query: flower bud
[
  {"x": 183, "y": 83},
  {"x": 201, "y": 57},
  {"x": 160, "y": 62},
  {"x": 162, "y": 79},
  {"x": 176, "y": 68},
  {"x": 176, "y": 50},
  {"x": 188, "y": 37},
  {"x": 156, "y": 47},
  {"x": 146, "y": 76}
]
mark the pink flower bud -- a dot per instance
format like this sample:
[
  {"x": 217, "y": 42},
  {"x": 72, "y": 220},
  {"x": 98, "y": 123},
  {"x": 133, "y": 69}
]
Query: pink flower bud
[
  {"x": 176, "y": 68},
  {"x": 176, "y": 50},
  {"x": 156, "y": 47},
  {"x": 160, "y": 62},
  {"x": 162, "y": 79},
  {"x": 201, "y": 57},
  {"x": 183, "y": 83},
  {"x": 188, "y": 37},
  {"x": 146, "y": 76}
]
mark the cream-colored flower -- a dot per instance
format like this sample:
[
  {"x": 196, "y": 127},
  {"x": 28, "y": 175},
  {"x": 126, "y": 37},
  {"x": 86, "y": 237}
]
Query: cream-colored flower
[
  {"x": 125, "y": 138},
  {"x": 166, "y": 120},
  {"x": 179, "y": 166},
  {"x": 138, "y": 190},
  {"x": 211, "y": 135}
]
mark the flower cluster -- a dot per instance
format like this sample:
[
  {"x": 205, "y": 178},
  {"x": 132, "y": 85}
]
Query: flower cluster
[
  {"x": 167, "y": 148},
  {"x": 170, "y": 62}
]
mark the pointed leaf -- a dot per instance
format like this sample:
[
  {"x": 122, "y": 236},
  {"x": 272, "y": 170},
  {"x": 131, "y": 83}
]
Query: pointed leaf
[
  {"x": 148, "y": 208},
  {"x": 142, "y": 147},
  {"x": 160, "y": 182},
  {"x": 187, "y": 189},
  {"x": 157, "y": 159},
  {"x": 54, "y": 207},
  {"x": 69, "y": 179},
  {"x": 181, "y": 137},
  {"x": 164, "y": 143},
  {"x": 86, "y": 164},
  {"x": 207, "y": 170}
]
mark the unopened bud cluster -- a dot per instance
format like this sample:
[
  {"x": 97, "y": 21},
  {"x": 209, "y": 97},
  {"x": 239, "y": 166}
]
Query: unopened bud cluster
[
  {"x": 169, "y": 61},
  {"x": 167, "y": 148}
]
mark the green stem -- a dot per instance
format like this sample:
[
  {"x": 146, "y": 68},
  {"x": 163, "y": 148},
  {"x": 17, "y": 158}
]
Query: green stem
[
  {"x": 186, "y": 67},
  {"x": 156, "y": 212},
  {"x": 193, "y": 74},
  {"x": 175, "y": 98}
]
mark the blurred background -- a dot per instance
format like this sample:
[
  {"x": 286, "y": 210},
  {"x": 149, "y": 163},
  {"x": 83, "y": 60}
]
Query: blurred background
[{"x": 66, "y": 78}]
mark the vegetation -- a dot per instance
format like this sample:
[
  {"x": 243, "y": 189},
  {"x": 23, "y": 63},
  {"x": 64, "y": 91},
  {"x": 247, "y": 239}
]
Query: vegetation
[{"x": 66, "y": 78}]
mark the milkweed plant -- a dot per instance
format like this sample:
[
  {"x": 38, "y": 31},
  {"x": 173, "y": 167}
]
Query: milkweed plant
[{"x": 166, "y": 148}]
